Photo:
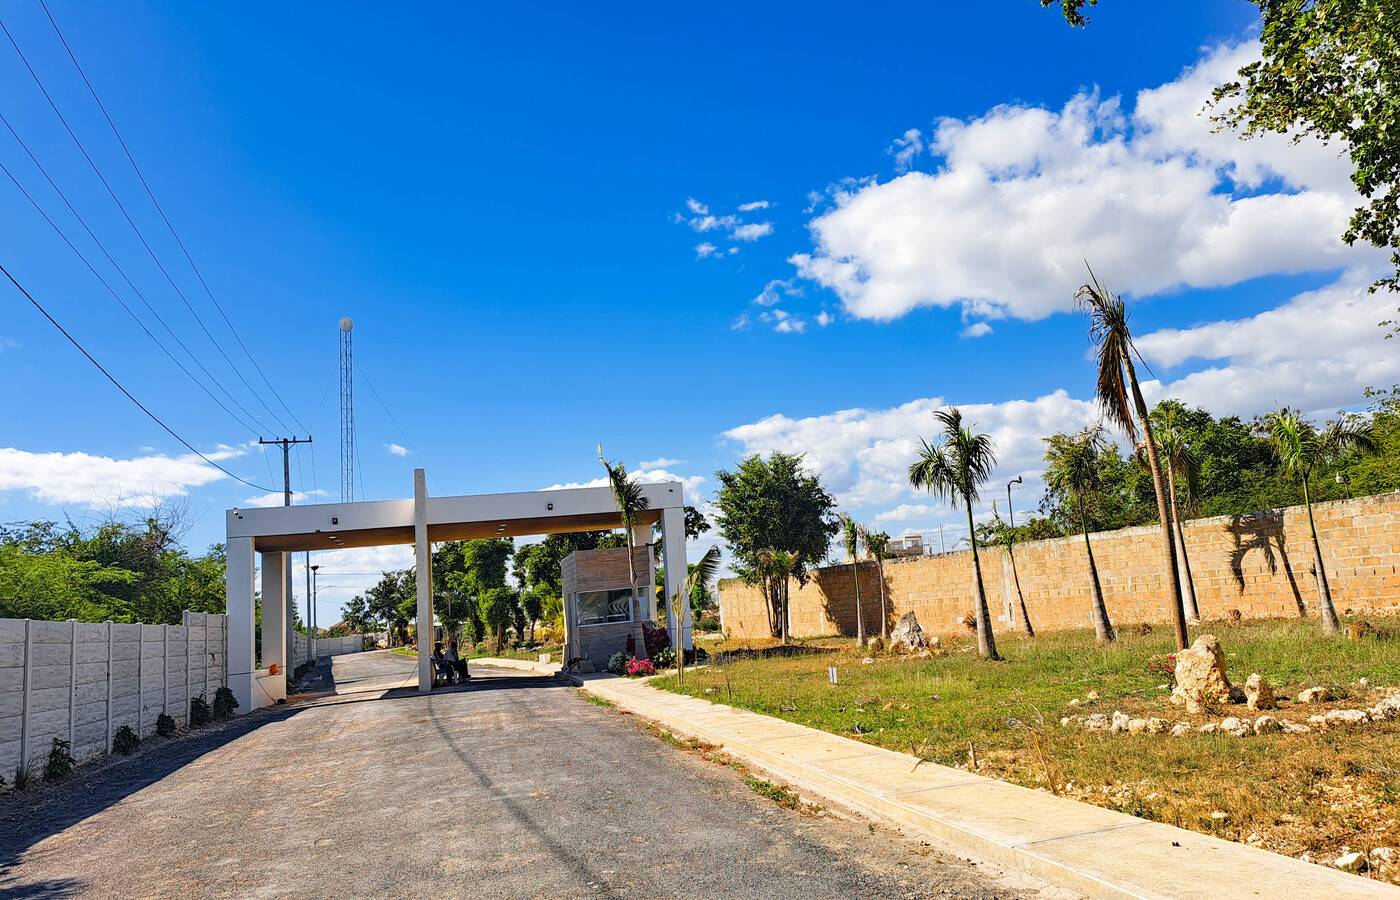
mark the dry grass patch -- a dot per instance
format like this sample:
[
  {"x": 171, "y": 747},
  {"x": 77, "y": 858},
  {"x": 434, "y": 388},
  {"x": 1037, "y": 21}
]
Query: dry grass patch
[{"x": 1312, "y": 793}]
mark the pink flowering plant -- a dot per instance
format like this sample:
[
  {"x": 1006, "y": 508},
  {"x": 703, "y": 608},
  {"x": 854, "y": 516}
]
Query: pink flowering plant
[
  {"x": 637, "y": 668},
  {"x": 1158, "y": 665}
]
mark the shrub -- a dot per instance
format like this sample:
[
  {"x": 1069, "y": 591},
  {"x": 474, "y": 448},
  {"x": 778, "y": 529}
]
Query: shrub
[
  {"x": 1158, "y": 665},
  {"x": 200, "y": 714},
  {"x": 22, "y": 778},
  {"x": 639, "y": 667},
  {"x": 165, "y": 725},
  {"x": 60, "y": 764},
  {"x": 664, "y": 659},
  {"x": 656, "y": 639},
  {"x": 224, "y": 703},
  {"x": 126, "y": 741},
  {"x": 617, "y": 663},
  {"x": 707, "y": 622}
]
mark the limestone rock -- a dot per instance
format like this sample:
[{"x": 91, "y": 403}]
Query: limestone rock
[
  {"x": 1346, "y": 717},
  {"x": 1389, "y": 708},
  {"x": 1210, "y": 728},
  {"x": 876, "y": 644},
  {"x": 1317, "y": 720},
  {"x": 1181, "y": 729},
  {"x": 1351, "y": 862},
  {"x": 1293, "y": 728},
  {"x": 1237, "y": 727},
  {"x": 867, "y": 661},
  {"x": 1200, "y": 675},
  {"x": 1074, "y": 702},
  {"x": 1157, "y": 726},
  {"x": 1267, "y": 725},
  {"x": 1120, "y": 722},
  {"x": 1093, "y": 695},
  {"x": 1137, "y": 726},
  {"x": 1064, "y": 722},
  {"x": 1097, "y": 722},
  {"x": 1258, "y": 693},
  {"x": 908, "y": 634},
  {"x": 1314, "y": 695},
  {"x": 1383, "y": 856}
]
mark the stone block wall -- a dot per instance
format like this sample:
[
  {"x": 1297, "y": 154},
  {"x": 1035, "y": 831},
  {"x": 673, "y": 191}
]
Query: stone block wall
[
  {"x": 81, "y": 682},
  {"x": 1260, "y": 563}
]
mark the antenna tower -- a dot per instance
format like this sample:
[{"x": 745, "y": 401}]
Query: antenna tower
[{"x": 347, "y": 413}]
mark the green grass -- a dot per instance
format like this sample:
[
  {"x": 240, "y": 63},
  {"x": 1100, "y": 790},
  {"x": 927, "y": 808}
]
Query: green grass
[{"x": 1313, "y": 792}]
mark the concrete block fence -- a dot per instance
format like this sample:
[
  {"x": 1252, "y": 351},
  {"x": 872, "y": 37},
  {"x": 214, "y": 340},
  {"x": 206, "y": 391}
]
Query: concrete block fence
[
  {"x": 1260, "y": 564},
  {"x": 325, "y": 646},
  {"x": 81, "y": 682}
]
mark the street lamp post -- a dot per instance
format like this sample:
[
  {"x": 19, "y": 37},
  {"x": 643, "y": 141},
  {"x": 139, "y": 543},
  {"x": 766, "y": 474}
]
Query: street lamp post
[
  {"x": 311, "y": 618},
  {"x": 1022, "y": 615}
]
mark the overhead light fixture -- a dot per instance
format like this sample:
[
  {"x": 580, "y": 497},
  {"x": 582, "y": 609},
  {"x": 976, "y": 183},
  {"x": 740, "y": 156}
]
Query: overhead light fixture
[{"x": 549, "y": 505}]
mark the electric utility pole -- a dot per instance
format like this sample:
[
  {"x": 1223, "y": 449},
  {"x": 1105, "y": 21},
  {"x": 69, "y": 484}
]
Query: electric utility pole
[{"x": 286, "y": 444}]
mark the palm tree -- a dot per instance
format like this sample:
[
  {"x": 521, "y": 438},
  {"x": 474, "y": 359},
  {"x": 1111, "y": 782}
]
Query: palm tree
[
  {"x": 955, "y": 468},
  {"x": 850, "y": 532},
  {"x": 1301, "y": 448},
  {"x": 1119, "y": 395},
  {"x": 702, "y": 573},
  {"x": 631, "y": 503},
  {"x": 1182, "y": 463},
  {"x": 1072, "y": 475},
  {"x": 776, "y": 567},
  {"x": 876, "y": 542}
]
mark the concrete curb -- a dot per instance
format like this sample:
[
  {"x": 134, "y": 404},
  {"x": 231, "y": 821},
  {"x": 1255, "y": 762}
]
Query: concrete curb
[{"x": 1098, "y": 852}]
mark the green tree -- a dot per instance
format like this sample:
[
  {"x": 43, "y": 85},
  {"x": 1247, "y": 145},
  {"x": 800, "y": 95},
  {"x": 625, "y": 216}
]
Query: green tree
[
  {"x": 850, "y": 536},
  {"x": 1329, "y": 69},
  {"x": 498, "y": 605},
  {"x": 390, "y": 600},
  {"x": 631, "y": 503},
  {"x": 699, "y": 573},
  {"x": 774, "y": 505},
  {"x": 695, "y": 523},
  {"x": 1072, "y": 474},
  {"x": 1302, "y": 449},
  {"x": 876, "y": 543},
  {"x": 1119, "y": 394},
  {"x": 955, "y": 469}
]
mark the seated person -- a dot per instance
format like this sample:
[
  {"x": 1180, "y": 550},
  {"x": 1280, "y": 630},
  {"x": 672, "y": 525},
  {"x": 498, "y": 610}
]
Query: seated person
[
  {"x": 442, "y": 669},
  {"x": 458, "y": 665}
]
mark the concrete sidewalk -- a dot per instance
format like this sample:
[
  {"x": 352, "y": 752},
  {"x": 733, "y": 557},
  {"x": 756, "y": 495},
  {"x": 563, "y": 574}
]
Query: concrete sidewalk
[{"x": 1101, "y": 853}]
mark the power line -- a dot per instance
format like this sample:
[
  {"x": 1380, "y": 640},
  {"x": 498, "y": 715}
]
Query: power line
[
  {"x": 141, "y": 237},
  {"x": 406, "y": 441},
  {"x": 125, "y": 278},
  {"x": 72, "y": 340},
  {"x": 164, "y": 218}
]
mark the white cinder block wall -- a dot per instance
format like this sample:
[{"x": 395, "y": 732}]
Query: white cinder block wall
[{"x": 81, "y": 682}]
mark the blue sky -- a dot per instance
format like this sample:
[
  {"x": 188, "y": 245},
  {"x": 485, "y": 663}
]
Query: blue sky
[{"x": 529, "y": 212}]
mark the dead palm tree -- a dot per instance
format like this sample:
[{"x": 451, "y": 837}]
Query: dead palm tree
[
  {"x": 876, "y": 543},
  {"x": 1182, "y": 464},
  {"x": 850, "y": 535},
  {"x": 1072, "y": 475},
  {"x": 955, "y": 468},
  {"x": 1119, "y": 395},
  {"x": 1301, "y": 448},
  {"x": 631, "y": 503},
  {"x": 703, "y": 572}
]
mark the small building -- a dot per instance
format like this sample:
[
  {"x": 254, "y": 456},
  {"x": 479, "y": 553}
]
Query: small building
[{"x": 598, "y": 611}]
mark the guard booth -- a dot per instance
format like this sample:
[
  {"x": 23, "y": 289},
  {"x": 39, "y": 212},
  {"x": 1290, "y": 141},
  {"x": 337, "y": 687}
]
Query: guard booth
[
  {"x": 599, "y": 614},
  {"x": 270, "y": 533}
]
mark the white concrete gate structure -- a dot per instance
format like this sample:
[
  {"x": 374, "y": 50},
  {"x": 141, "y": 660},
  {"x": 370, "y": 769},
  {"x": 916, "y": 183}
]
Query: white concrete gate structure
[{"x": 273, "y": 532}]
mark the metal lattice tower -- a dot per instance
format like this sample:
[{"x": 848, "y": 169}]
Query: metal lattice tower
[{"x": 347, "y": 414}]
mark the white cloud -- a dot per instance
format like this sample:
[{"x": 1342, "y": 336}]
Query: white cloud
[
  {"x": 750, "y": 207},
  {"x": 784, "y": 322},
  {"x": 774, "y": 290},
  {"x": 696, "y": 207},
  {"x": 751, "y": 232},
  {"x": 690, "y": 484},
  {"x": 396, "y": 450},
  {"x": 906, "y": 148},
  {"x": 276, "y": 498},
  {"x": 710, "y": 223},
  {"x": 825, "y": 318},
  {"x": 58, "y": 478},
  {"x": 1023, "y": 195},
  {"x": 740, "y": 323},
  {"x": 863, "y": 455},
  {"x": 976, "y": 330},
  {"x": 704, "y": 249},
  {"x": 662, "y": 463}
]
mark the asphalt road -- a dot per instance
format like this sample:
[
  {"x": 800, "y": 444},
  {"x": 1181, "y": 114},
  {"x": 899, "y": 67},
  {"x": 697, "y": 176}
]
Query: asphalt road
[{"x": 512, "y": 787}]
